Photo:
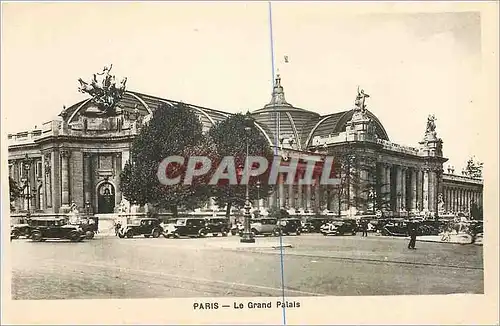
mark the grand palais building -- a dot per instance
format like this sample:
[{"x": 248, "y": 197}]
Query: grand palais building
[{"x": 77, "y": 158}]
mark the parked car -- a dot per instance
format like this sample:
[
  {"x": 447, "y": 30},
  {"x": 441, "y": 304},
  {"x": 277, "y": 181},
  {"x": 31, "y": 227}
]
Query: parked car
[
  {"x": 339, "y": 227},
  {"x": 317, "y": 222},
  {"x": 43, "y": 228},
  {"x": 217, "y": 225},
  {"x": 21, "y": 229},
  {"x": 264, "y": 226},
  {"x": 307, "y": 227},
  {"x": 290, "y": 225},
  {"x": 88, "y": 225},
  {"x": 148, "y": 227},
  {"x": 186, "y": 227},
  {"x": 395, "y": 227},
  {"x": 237, "y": 228}
]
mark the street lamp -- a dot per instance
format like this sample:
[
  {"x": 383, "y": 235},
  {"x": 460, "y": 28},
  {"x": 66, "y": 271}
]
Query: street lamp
[
  {"x": 247, "y": 236},
  {"x": 258, "y": 196},
  {"x": 27, "y": 167}
]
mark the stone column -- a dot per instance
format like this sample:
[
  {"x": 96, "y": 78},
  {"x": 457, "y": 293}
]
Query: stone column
[
  {"x": 413, "y": 190},
  {"x": 55, "y": 178},
  {"x": 65, "y": 154},
  {"x": 387, "y": 187},
  {"x": 118, "y": 170},
  {"x": 404, "y": 195},
  {"x": 87, "y": 178},
  {"x": 308, "y": 198},
  {"x": 272, "y": 199},
  {"x": 317, "y": 196},
  {"x": 299, "y": 203},
  {"x": 399, "y": 192},
  {"x": 281, "y": 190},
  {"x": 425, "y": 194},
  {"x": 431, "y": 190},
  {"x": 291, "y": 196}
]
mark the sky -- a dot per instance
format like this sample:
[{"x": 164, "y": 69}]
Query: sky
[{"x": 218, "y": 55}]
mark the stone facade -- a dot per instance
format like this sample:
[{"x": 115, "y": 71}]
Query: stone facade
[{"x": 77, "y": 159}]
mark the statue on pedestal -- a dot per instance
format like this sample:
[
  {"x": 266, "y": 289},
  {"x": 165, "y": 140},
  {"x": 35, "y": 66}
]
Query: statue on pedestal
[
  {"x": 431, "y": 125},
  {"x": 360, "y": 100},
  {"x": 360, "y": 109},
  {"x": 104, "y": 91}
]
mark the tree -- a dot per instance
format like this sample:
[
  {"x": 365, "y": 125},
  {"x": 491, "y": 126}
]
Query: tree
[
  {"x": 230, "y": 138},
  {"x": 359, "y": 173},
  {"x": 171, "y": 131},
  {"x": 473, "y": 169},
  {"x": 14, "y": 191}
]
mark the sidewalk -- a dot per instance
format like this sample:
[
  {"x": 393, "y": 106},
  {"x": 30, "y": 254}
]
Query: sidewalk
[{"x": 461, "y": 238}]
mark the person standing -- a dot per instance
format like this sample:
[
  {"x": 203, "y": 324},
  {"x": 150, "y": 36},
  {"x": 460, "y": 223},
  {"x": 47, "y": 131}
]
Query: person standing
[
  {"x": 412, "y": 232},
  {"x": 364, "y": 228}
]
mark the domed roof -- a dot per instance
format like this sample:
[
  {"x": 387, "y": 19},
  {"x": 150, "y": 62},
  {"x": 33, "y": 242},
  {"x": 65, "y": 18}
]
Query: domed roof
[{"x": 281, "y": 120}]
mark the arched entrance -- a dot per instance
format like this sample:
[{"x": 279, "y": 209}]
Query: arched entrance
[{"x": 105, "y": 198}]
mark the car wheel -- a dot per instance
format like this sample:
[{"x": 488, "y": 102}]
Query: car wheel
[
  {"x": 202, "y": 233},
  {"x": 176, "y": 235},
  {"x": 36, "y": 236},
  {"x": 215, "y": 234},
  {"x": 224, "y": 234},
  {"x": 14, "y": 235},
  {"x": 89, "y": 235},
  {"x": 298, "y": 232},
  {"x": 121, "y": 235},
  {"x": 156, "y": 233},
  {"x": 130, "y": 234},
  {"x": 74, "y": 236},
  {"x": 146, "y": 236},
  {"x": 233, "y": 232}
]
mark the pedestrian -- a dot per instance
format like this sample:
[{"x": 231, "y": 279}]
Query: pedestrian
[
  {"x": 364, "y": 226},
  {"x": 412, "y": 231},
  {"x": 118, "y": 226}
]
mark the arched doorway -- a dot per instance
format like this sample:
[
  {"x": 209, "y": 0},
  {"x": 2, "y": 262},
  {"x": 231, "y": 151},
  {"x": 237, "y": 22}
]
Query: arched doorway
[{"x": 105, "y": 198}]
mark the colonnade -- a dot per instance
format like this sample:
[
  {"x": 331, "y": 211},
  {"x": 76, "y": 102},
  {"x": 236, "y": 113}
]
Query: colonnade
[{"x": 459, "y": 199}]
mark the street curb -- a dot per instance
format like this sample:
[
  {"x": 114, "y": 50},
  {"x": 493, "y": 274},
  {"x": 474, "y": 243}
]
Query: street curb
[{"x": 446, "y": 242}]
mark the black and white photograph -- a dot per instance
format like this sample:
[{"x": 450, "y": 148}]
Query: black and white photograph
[{"x": 250, "y": 161}]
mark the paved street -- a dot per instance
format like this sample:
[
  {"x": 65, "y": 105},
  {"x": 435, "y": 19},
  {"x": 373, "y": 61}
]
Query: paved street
[{"x": 108, "y": 267}]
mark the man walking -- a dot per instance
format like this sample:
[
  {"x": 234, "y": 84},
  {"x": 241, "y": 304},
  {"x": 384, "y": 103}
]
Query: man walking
[{"x": 412, "y": 232}]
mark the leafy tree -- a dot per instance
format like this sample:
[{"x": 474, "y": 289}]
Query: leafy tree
[
  {"x": 230, "y": 138},
  {"x": 171, "y": 131},
  {"x": 476, "y": 211},
  {"x": 14, "y": 191},
  {"x": 360, "y": 174},
  {"x": 473, "y": 169}
]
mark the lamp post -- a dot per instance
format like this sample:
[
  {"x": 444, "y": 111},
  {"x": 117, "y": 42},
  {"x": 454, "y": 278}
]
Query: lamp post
[
  {"x": 247, "y": 236},
  {"x": 258, "y": 196},
  {"x": 27, "y": 167}
]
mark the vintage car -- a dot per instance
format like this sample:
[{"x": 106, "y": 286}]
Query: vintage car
[
  {"x": 54, "y": 227},
  {"x": 264, "y": 226},
  {"x": 394, "y": 227},
  {"x": 148, "y": 227},
  {"x": 317, "y": 222},
  {"x": 217, "y": 225},
  {"x": 87, "y": 223},
  {"x": 21, "y": 229},
  {"x": 339, "y": 227},
  {"x": 186, "y": 227},
  {"x": 307, "y": 227},
  {"x": 290, "y": 225},
  {"x": 237, "y": 228}
]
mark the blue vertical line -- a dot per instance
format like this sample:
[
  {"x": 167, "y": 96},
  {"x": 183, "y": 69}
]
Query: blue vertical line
[{"x": 276, "y": 139}]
